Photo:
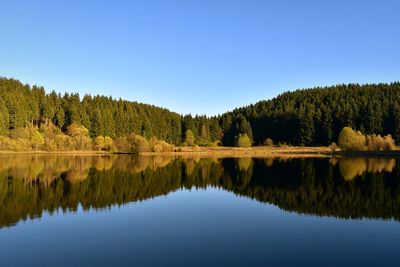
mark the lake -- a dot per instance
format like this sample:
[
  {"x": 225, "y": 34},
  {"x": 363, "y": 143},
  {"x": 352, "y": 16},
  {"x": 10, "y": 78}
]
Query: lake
[{"x": 122, "y": 210}]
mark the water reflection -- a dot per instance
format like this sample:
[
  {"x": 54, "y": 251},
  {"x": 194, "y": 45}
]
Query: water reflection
[
  {"x": 344, "y": 187},
  {"x": 351, "y": 168}
]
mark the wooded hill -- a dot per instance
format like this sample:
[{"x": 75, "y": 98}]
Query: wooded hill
[
  {"x": 316, "y": 116},
  {"x": 304, "y": 117}
]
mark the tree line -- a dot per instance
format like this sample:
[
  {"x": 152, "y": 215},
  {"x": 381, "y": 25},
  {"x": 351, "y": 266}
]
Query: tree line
[
  {"x": 303, "y": 117},
  {"x": 316, "y": 116}
]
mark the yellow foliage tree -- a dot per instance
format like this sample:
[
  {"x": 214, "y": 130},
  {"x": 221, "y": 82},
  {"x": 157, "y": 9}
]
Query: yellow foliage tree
[
  {"x": 98, "y": 143},
  {"x": 36, "y": 139},
  {"x": 351, "y": 140},
  {"x": 80, "y": 136},
  {"x": 243, "y": 140}
]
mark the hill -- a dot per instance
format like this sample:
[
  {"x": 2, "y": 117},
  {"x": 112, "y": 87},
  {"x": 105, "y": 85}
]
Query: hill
[{"x": 316, "y": 116}]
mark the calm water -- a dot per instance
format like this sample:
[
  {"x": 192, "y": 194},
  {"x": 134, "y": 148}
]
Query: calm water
[{"x": 158, "y": 211}]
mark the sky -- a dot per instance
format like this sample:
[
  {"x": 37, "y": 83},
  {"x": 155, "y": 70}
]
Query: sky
[{"x": 198, "y": 57}]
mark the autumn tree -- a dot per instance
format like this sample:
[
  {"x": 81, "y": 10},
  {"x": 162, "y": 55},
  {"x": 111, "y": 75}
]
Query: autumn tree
[
  {"x": 80, "y": 136},
  {"x": 242, "y": 140},
  {"x": 36, "y": 139},
  {"x": 351, "y": 140}
]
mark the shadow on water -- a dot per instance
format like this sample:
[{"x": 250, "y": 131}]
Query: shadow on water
[{"x": 344, "y": 187}]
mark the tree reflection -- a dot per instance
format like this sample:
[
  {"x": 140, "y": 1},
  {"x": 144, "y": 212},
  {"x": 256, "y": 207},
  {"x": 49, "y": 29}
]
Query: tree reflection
[
  {"x": 344, "y": 187},
  {"x": 351, "y": 168}
]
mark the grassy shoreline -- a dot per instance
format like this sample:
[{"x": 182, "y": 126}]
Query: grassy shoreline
[
  {"x": 43, "y": 152},
  {"x": 263, "y": 151},
  {"x": 256, "y": 151}
]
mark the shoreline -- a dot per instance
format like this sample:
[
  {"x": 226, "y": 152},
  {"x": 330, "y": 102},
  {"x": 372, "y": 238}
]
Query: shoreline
[
  {"x": 43, "y": 152},
  {"x": 234, "y": 152}
]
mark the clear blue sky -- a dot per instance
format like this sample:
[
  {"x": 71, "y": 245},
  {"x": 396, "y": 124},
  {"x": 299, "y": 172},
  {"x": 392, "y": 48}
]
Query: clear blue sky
[{"x": 204, "y": 56}]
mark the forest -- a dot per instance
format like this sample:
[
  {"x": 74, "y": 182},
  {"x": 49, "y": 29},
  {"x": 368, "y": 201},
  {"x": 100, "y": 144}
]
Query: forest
[{"x": 32, "y": 118}]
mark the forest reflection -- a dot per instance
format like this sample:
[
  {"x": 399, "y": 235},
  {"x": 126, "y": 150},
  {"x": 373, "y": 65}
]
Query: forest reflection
[{"x": 343, "y": 187}]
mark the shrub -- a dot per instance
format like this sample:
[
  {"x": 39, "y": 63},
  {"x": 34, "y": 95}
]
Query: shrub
[
  {"x": 157, "y": 148},
  {"x": 140, "y": 144},
  {"x": 60, "y": 142},
  {"x": 160, "y": 145},
  {"x": 214, "y": 144},
  {"x": 165, "y": 146},
  {"x": 6, "y": 143},
  {"x": 108, "y": 143},
  {"x": 268, "y": 142},
  {"x": 374, "y": 142},
  {"x": 379, "y": 143},
  {"x": 389, "y": 142},
  {"x": 98, "y": 143},
  {"x": 350, "y": 140},
  {"x": 36, "y": 139},
  {"x": 49, "y": 130},
  {"x": 243, "y": 140}
]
